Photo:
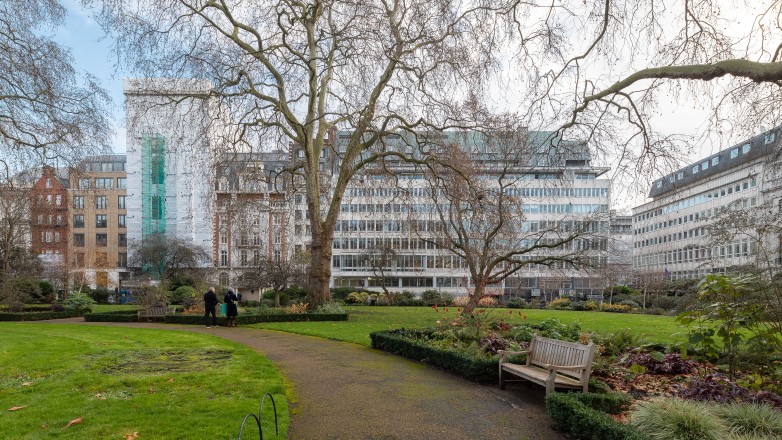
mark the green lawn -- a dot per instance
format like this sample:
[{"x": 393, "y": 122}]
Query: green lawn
[
  {"x": 364, "y": 320},
  {"x": 161, "y": 384}
]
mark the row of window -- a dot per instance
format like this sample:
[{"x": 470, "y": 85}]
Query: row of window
[
  {"x": 564, "y": 208},
  {"x": 557, "y": 192},
  {"x": 50, "y": 199},
  {"x": 714, "y": 161},
  {"x": 51, "y": 219},
  {"x": 244, "y": 258},
  {"x": 104, "y": 167},
  {"x": 696, "y": 200},
  {"x": 102, "y": 183},
  {"x": 101, "y": 202},
  {"x": 101, "y": 220},
  {"x": 101, "y": 259},
  {"x": 700, "y": 215},
  {"x": 742, "y": 248},
  {"x": 101, "y": 240}
]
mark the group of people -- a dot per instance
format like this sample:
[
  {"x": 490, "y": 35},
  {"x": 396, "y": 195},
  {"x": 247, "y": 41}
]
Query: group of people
[{"x": 231, "y": 301}]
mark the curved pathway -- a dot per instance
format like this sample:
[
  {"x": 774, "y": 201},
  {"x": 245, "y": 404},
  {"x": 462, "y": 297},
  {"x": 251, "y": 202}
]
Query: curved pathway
[{"x": 348, "y": 391}]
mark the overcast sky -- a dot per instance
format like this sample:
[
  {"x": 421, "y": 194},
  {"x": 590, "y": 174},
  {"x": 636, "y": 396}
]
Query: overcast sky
[{"x": 92, "y": 54}]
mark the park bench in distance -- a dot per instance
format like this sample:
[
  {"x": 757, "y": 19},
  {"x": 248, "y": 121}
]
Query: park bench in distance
[
  {"x": 151, "y": 312},
  {"x": 551, "y": 363}
]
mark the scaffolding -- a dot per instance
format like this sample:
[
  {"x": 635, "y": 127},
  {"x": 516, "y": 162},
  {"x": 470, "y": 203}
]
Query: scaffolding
[{"x": 153, "y": 189}]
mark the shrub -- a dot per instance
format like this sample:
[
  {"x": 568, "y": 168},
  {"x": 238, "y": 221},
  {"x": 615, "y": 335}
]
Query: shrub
[
  {"x": 331, "y": 307},
  {"x": 516, "y": 303},
  {"x": 574, "y": 414},
  {"x": 57, "y": 307},
  {"x": 630, "y": 303},
  {"x": 665, "y": 302},
  {"x": 659, "y": 363},
  {"x": 677, "y": 419},
  {"x": 100, "y": 295},
  {"x": 27, "y": 290},
  {"x": 617, "y": 343},
  {"x": 185, "y": 295},
  {"x": 759, "y": 421},
  {"x": 460, "y": 301},
  {"x": 47, "y": 290},
  {"x": 717, "y": 388},
  {"x": 410, "y": 302},
  {"x": 431, "y": 297},
  {"x": 357, "y": 298},
  {"x": 487, "y": 301},
  {"x": 341, "y": 293},
  {"x": 250, "y": 303},
  {"x": 296, "y": 308},
  {"x": 615, "y": 308},
  {"x": 446, "y": 298},
  {"x": 560, "y": 304},
  {"x": 79, "y": 302},
  {"x": 38, "y": 316}
]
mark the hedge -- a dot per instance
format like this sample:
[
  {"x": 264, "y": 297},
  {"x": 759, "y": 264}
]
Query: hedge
[
  {"x": 116, "y": 316},
  {"x": 580, "y": 415},
  {"x": 38, "y": 316},
  {"x": 255, "y": 319},
  {"x": 471, "y": 368}
]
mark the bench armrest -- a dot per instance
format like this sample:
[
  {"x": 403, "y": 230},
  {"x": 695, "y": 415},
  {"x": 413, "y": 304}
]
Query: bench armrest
[{"x": 502, "y": 353}]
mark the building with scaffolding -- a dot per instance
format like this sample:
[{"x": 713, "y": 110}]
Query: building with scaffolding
[{"x": 170, "y": 160}]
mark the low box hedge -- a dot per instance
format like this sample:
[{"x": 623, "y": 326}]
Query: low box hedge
[
  {"x": 583, "y": 415},
  {"x": 255, "y": 319},
  {"x": 116, "y": 316},
  {"x": 398, "y": 342},
  {"x": 38, "y": 316}
]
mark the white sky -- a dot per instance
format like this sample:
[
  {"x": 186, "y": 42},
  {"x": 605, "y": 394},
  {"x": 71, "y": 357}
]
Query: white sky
[{"x": 92, "y": 53}]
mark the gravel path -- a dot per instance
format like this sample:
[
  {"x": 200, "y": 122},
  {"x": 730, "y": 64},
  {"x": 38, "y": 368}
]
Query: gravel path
[{"x": 348, "y": 391}]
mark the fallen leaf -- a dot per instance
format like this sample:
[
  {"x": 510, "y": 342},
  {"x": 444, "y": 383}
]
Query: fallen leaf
[
  {"x": 170, "y": 379},
  {"x": 16, "y": 408},
  {"x": 26, "y": 384},
  {"x": 100, "y": 396},
  {"x": 133, "y": 436},
  {"x": 44, "y": 426},
  {"x": 75, "y": 421},
  {"x": 151, "y": 391}
]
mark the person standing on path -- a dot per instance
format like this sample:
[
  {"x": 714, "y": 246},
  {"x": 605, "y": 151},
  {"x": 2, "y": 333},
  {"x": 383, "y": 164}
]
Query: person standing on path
[
  {"x": 210, "y": 302},
  {"x": 231, "y": 309}
]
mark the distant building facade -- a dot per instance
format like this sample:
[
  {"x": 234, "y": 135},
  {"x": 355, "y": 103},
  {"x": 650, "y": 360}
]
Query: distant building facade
[
  {"x": 671, "y": 232},
  {"x": 49, "y": 223},
  {"x": 97, "y": 196}
]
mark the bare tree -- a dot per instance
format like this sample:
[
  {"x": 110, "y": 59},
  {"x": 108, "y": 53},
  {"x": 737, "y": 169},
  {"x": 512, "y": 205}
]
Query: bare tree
[
  {"x": 479, "y": 215},
  {"x": 279, "y": 274},
  {"x": 295, "y": 71},
  {"x": 166, "y": 257},
  {"x": 46, "y": 110},
  {"x": 16, "y": 257},
  {"x": 380, "y": 259}
]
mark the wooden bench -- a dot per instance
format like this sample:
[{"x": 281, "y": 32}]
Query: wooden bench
[
  {"x": 153, "y": 312},
  {"x": 551, "y": 363}
]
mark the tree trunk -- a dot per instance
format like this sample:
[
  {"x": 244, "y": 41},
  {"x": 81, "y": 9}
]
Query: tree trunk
[
  {"x": 318, "y": 291},
  {"x": 475, "y": 297}
]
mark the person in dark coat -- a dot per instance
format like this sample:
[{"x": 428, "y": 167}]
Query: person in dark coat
[
  {"x": 210, "y": 302},
  {"x": 231, "y": 307}
]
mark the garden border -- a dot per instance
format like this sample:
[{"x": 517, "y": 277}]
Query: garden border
[
  {"x": 38, "y": 316},
  {"x": 585, "y": 415},
  {"x": 199, "y": 319}
]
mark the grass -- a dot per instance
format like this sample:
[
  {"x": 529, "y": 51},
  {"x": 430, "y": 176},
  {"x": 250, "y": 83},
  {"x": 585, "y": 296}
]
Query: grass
[
  {"x": 366, "y": 319},
  {"x": 161, "y": 384}
]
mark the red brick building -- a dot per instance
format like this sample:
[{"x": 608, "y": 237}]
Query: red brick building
[{"x": 49, "y": 222}]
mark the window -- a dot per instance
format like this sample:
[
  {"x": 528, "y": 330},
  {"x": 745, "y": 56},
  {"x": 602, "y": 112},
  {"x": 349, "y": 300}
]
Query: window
[
  {"x": 40, "y": 219},
  {"x": 256, "y": 257},
  {"x": 100, "y": 221},
  {"x": 121, "y": 202},
  {"x": 101, "y": 240},
  {"x": 56, "y": 237},
  {"x": 705, "y": 165},
  {"x": 223, "y": 279},
  {"x": 48, "y": 182},
  {"x": 734, "y": 153},
  {"x": 84, "y": 183},
  {"x": 78, "y": 220},
  {"x": 715, "y": 160},
  {"x": 58, "y": 200},
  {"x": 769, "y": 138},
  {"x": 745, "y": 149},
  {"x": 59, "y": 219},
  {"x": 104, "y": 183},
  {"x": 121, "y": 182},
  {"x": 670, "y": 179},
  {"x": 78, "y": 240},
  {"x": 78, "y": 202},
  {"x": 243, "y": 257},
  {"x": 122, "y": 259},
  {"x": 223, "y": 258},
  {"x": 101, "y": 202},
  {"x": 121, "y": 220},
  {"x": 122, "y": 240},
  {"x": 695, "y": 169},
  {"x": 48, "y": 199},
  {"x": 679, "y": 175}
]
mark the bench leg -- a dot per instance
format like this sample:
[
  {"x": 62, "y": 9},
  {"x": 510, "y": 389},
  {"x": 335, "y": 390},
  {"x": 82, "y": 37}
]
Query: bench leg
[
  {"x": 552, "y": 377},
  {"x": 502, "y": 379}
]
